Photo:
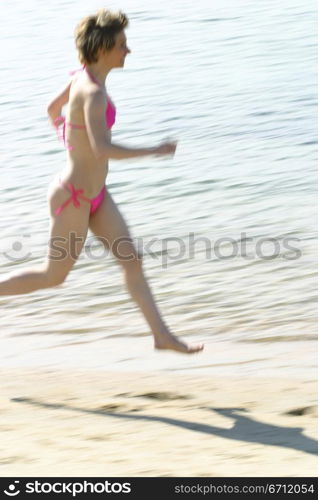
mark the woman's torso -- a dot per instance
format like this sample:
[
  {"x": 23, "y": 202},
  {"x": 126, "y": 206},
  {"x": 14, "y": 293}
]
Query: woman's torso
[{"x": 83, "y": 169}]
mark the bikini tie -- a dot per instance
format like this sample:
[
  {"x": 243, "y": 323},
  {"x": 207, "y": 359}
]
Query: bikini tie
[
  {"x": 75, "y": 194},
  {"x": 60, "y": 120}
]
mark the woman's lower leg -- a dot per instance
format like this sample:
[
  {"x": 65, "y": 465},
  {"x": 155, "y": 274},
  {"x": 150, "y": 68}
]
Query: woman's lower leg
[{"x": 140, "y": 292}]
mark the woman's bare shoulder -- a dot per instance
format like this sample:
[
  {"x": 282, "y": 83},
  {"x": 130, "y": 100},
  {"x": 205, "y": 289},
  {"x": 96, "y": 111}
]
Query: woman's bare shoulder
[{"x": 87, "y": 89}]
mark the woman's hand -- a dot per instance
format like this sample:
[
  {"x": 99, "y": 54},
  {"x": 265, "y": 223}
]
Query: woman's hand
[{"x": 167, "y": 148}]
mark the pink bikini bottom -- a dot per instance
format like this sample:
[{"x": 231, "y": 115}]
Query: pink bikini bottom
[{"x": 77, "y": 194}]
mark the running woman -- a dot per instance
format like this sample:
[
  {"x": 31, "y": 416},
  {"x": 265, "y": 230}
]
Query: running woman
[{"x": 78, "y": 198}]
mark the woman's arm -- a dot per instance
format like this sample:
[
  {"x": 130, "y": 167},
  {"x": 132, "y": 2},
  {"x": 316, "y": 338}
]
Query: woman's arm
[
  {"x": 94, "y": 113},
  {"x": 54, "y": 108}
]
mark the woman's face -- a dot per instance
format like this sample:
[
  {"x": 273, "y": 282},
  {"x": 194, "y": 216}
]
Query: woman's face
[{"x": 117, "y": 55}]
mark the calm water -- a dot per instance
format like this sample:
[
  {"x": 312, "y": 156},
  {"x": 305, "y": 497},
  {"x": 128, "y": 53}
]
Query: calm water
[{"x": 228, "y": 227}]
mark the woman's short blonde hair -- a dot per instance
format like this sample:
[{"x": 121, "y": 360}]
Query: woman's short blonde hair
[{"x": 98, "y": 32}]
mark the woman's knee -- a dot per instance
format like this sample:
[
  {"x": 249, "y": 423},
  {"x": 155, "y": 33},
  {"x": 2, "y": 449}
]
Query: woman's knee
[
  {"x": 53, "y": 278},
  {"x": 132, "y": 264},
  {"x": 127, "y": 254}
]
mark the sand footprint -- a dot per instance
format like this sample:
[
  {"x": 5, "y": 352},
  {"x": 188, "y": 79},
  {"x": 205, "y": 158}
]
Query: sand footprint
[
  {"x": 305, "y": 410},
  {"x": 162, "y": 396}
]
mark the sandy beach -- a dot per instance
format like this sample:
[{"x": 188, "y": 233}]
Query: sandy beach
[{"x": 95, "y": 423}]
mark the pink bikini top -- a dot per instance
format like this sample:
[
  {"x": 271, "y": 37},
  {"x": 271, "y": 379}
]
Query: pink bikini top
[{"x": 110, "y": 116}]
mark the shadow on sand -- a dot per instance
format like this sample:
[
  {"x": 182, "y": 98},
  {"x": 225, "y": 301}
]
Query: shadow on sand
[{"x": 244, "y": 427}]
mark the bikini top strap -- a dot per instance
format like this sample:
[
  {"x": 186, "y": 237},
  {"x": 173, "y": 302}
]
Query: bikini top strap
[
  {"x": 90, "y": 75},
  {"x": 84, "y": 68},
  {"x": 74, "y": 71}
]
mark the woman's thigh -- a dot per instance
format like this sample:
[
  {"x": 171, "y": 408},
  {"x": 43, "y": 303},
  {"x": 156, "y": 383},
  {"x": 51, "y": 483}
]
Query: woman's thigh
[
  {"x": 108, "y": 225},
  {"x": 68, "y": 232}
]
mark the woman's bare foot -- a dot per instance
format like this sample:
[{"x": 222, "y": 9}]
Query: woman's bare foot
[{"x": 169, "y": 341}]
